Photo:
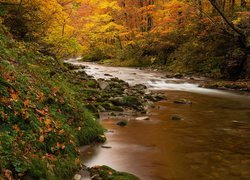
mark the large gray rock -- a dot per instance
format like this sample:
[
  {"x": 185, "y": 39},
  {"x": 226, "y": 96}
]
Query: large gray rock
[{"x": 102, "y": 84}]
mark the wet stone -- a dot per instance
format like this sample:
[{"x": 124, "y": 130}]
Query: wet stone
[
  {"x": 122, "y": 123},
  {"x": 176, "y": 118},
  {"x": 77, "y": 177},
  {"x": 108, "y": 75},
  {"x": 182, "y": 101}
]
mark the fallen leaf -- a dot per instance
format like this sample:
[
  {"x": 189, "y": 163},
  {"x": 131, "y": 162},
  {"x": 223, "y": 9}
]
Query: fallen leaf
[
  {"x": 63, "y": 147},
  {"x": 13, "y": 95},
  {"x": 8, "y": 174},
  {"x": 41, "y": 139},
  {"x": 61, "y": 132},
  {"x": 26, "y": 102},
  {"x": 16, "y": 128},
  {"x": 47, "y": 122}
]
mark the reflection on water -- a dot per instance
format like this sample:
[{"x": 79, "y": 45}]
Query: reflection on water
[{"x": 212, "y": 142}]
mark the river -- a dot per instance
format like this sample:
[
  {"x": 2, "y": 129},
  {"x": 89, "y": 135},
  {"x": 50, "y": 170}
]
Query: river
[{"x": 211, "y": 142}]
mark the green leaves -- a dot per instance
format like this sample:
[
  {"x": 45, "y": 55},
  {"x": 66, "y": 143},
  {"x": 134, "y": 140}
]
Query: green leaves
[{"x": 6, "y": 84}]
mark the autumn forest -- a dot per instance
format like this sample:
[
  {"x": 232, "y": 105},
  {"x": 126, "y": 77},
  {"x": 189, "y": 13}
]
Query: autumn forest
[{"x": 49, "y": 108}]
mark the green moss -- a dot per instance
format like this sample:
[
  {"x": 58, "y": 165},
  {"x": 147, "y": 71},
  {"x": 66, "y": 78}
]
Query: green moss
[
  {"x": 122, "y": 123},
  {"x": 105, "y": 172},
  {"x": 45, "y": 120},
  {"x": 91, "y": 132}
]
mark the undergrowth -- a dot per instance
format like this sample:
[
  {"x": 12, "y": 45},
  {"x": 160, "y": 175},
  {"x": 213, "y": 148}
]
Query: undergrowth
[{"x": 43, "y": 119}]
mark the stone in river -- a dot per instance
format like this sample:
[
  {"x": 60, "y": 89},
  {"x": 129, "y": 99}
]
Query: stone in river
[
  {"x": 182, "y": 101},
  {"x": 176, "y": 118},
  {"x": 122, "y": 123},
  {"x": 178, "y": 76},
  {"x": 77, "y": 177},
  {"x": 144, "y": 118}
]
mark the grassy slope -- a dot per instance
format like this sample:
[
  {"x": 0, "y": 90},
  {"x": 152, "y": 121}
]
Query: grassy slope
[{"x": 44, "y": 121}]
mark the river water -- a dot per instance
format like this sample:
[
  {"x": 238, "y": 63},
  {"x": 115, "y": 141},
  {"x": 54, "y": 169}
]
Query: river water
[{"x": 211, "y": 142}]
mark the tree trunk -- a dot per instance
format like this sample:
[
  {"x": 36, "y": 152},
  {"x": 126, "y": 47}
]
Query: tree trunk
[
  {"x": 241, "y": 35},
  {"x": 243, "y": 3},
  {"x": 237, "y": 64},
  {"x": 200, "y": 13},
  {"x": 63, "y": 28},
  {"x": 19, "y": 7},
  {"x": 232, "y": 5}
]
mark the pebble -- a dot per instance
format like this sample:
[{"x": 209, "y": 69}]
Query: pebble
[{"x": 77, "y": 177}]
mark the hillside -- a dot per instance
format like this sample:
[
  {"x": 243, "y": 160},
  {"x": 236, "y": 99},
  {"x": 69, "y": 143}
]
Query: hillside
[{"x": 42, "y": 114}]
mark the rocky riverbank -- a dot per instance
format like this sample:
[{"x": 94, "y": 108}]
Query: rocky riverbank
[
  {"x": 102, "y": 173},
  {"x": 116, "y": 98},
  {"x": 240, "y": 85},
  {"x": 115, "y": 95}
]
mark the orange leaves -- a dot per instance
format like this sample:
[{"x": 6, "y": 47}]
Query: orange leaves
[
  {"x": 25, "y": 114},
  {"x": 55, "y": 90},
  {"x": 61, "y": 132},
  {"x": 4, "y": 100},
  {"x": 47, "y": 122},
  {"x": 41, "y": 138},
  {"x": 60, "y": 146},
  {"x": 13, "y": 95},
  {"x": 34, "y": 156},
  {"x": 8, "y": 174},
  {"x": 72, "y": 142},
  {"x": 43, "y": 112},
  {"x": 40, "y": 97},
  {"x": 16, "y": 128},
  {"x": 3, "y": 115},
  {"x": 49, "y": 157},
  {"x": 26, "y": 102}
]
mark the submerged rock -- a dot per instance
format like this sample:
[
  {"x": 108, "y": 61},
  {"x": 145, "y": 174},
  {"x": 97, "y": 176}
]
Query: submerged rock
[
  {"x": 101, "y": 138},
  {"x": 122, "y": 123},
  {"x": 183, "y": 101},
  {"x": 105, "y": 172},
  {"x": 176, "y": 118}
]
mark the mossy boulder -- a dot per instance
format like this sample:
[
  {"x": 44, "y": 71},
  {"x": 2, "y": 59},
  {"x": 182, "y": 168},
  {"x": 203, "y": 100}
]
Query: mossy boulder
[
  {"x": 176, "y": 118},
  {"x": 122, "y": 123},
  {"x": 130, "y": 101},
  {"x": 107, "y": 173}
]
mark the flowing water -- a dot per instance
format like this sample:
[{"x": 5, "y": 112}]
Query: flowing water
[{"x": 211, "y": 142}]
